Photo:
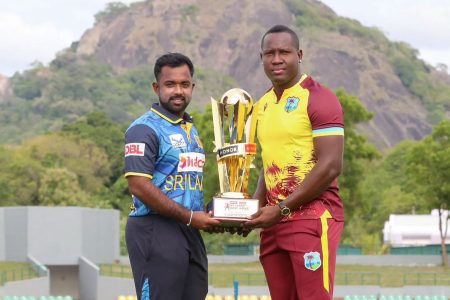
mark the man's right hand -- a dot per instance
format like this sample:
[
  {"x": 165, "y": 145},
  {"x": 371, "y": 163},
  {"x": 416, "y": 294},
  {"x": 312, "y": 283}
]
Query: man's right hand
[{"x": 203, "y": 220}]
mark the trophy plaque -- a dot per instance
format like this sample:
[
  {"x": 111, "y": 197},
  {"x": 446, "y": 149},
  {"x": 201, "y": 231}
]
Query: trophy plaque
[{"x": 234, "y": 120}]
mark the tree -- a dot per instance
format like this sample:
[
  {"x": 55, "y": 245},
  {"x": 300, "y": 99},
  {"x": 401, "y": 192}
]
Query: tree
[
  {"x": 19, "y": 177},
  {"x": 100, "y": 129},
  {"x": 60, "y": 187},
  {"x": 67, "y": 171},
  {"x": 387, "y": 180},
  {"x": 112, "y": 10},
  {"x": 357, "y": 152},
  {"x": 428, "y": 169}
]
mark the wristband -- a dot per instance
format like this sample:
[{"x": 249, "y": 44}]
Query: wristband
[{"x": 190, "y": 218}]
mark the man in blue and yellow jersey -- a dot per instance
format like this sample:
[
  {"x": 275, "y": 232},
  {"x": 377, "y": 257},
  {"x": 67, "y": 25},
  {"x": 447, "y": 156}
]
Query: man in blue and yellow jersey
[
  {"x": 301, "y": 132},
  {"x": 164, "y": 161}
]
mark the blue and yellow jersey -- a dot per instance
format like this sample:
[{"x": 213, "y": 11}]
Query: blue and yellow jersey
[
  {"x": 168, "y": 151},
  {"x": 286, "y": 129}
]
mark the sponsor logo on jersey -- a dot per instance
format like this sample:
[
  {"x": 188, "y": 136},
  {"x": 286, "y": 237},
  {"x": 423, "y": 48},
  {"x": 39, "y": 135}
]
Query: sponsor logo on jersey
[
  {"x": 312, "y": 260},
  {"x": 291, "y": 104},
  {"x": 184, "y": 182},
  {"x": 177, "y": 141},
  {"x": 191, "y": 162},
  {"x": 134, "y": 149}
]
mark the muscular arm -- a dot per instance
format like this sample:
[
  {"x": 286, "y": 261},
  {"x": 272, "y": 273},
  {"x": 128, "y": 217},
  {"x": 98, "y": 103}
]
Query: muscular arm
[
  {"x": 329, "y": 154},
  {"x": 142, "y": 188},
  {"x": 260, "y": 192}
]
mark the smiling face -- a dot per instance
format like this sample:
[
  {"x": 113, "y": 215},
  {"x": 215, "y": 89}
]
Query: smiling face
[
  {"x": 174, "y": 89},
  {"x": 280, "y": 58}
]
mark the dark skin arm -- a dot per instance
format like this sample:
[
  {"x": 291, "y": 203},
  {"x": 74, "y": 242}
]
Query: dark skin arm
[
  {"x": 260, "y": 192},
  {"x": 152, "y": 196},
  {"x": 329, "y": 152}
]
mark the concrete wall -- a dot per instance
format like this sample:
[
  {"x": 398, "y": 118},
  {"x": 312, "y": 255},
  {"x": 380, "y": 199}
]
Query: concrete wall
[
  {"x": 101, "y": 235},
  {"x": 342, "y": 291},
  {"x": 15, "y": 234},
  {"x": 59, "y": 235},
  {"x": 55, "y": 235},
  {"x": 2, "y": 235},
  {"x": 389, "y": 260},
  {"x": 88, "y": 278},
  {"x": 111, "y": 287},
  {"x": 33, "y": 287},
  {"x": 64, "y": 281}
]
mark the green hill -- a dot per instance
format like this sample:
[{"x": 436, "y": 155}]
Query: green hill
[{"x": 110, "y": 67}]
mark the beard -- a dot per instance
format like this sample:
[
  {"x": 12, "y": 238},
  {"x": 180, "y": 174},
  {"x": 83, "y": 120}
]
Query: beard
[{"x": 175, "y": 108}]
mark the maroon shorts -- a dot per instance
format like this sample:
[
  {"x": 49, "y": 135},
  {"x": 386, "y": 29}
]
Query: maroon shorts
[{"x": 299, "y": 258}]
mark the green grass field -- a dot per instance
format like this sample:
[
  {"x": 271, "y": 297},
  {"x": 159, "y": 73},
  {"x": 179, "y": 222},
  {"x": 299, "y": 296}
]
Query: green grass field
[
  {"x": 12, "y": 271},
  {"x": 223, "y": 275}
]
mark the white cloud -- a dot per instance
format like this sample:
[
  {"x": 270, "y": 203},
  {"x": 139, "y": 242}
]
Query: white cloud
[
  {"x": 33, "y": 30},
  {"x": 23, "y": 43},
  {"x": 425, "y": 25}
]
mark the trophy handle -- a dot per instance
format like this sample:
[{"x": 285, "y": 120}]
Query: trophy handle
[
  {"x": 251, "y": 124},
  {"x": 217, "y": 123},
  {"x": 217, "y": 115}
]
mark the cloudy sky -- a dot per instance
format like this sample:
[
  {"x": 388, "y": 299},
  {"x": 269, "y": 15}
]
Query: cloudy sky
[{"x": 34, "y": 30}]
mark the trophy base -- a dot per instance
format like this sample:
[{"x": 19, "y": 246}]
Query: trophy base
[{"x": 232, "y": 209}]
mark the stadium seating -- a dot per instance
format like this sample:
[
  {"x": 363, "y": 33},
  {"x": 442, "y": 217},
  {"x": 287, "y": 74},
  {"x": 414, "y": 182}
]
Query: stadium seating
[
  {"x": 129, "y": 297},
  {"x": 230, "y": 297},
  {"x": 361, "y": 297},
  {"x": 393, "y": 297},
  {"x": 37, "y": 298}
]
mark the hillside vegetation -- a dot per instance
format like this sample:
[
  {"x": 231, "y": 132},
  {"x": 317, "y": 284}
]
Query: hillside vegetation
[
  {"x": 110, "y": 67},
  {"x": 61, "y": 137}
]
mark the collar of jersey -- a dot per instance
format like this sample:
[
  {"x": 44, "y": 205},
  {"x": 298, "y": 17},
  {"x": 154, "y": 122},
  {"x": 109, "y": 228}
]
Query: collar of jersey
[
  {"x": 302, "y": 78},
  {"x": 168, "y": 116}
]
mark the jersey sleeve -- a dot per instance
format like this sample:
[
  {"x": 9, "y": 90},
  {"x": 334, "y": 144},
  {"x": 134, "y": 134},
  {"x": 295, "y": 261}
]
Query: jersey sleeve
[
  {"x": 141, "y": 151},
  {"x": 325, "y": 113}
]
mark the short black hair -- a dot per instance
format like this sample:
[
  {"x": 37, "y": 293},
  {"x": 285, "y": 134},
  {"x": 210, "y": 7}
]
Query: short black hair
[
  {"x": 172, "y": 60},
  {"x": 282, "y": 28}
]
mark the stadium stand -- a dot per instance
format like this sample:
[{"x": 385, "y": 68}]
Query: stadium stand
[
  {"x": 37, "y": 298},
  {"x": 127, "y": 298},
  {"x": 242, "y": 297},
  {"x": 394, "y": 297}
]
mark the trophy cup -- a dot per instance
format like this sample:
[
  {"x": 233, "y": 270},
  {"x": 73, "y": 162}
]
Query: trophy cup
[{"x": 234, "y": 119}]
